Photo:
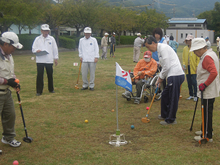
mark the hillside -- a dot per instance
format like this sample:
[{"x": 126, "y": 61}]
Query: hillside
[{"x": 172, "y": 8}]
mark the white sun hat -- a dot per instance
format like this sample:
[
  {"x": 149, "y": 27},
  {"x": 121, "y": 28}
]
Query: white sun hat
[
  {"x": 45, "y": 27},
  {"x": 11, "y": 38},
  {"x": 198, "y": 43}
]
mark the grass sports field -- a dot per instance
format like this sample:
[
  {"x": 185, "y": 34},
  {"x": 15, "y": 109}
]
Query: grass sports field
[{"x": 61, "y": 137}]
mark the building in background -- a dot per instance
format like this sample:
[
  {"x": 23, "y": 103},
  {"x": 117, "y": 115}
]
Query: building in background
[{"x": 179, "y": 28}]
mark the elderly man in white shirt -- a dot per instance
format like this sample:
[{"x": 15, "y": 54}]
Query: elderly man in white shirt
[
  {"x": 89, "y": 54},
  {"x": 104, "y": 45},
  {"x": 138, "y": 42},
  {"x": 45, "y": 43},
  {"x": 172, "y": 70}
]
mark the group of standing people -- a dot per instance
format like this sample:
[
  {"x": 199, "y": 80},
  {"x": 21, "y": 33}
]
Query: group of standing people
[
  {"x": 46, "y": 51},
  {"x": 201, "y": 66}
]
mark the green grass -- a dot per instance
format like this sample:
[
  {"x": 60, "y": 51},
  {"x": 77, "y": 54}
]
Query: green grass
[{"x": 61, "y": 137}]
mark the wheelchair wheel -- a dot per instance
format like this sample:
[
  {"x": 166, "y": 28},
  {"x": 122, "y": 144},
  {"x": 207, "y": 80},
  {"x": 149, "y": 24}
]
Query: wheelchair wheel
[{"x": 153, "y": 89}]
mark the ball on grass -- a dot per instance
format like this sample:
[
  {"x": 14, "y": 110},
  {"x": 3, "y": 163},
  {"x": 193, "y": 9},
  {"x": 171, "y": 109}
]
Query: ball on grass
[
  {"x": 86, "y": 121},
  {"x": 15, "y": 162},
  {"x": 32, "y": 58},
  {"x": 132, "y": 126},
  {"x": 147, "y": 108}
]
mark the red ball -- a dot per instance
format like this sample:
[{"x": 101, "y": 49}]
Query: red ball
[
  {"x": 147, "y": 108},
  {"x": 15, "y": 162}
]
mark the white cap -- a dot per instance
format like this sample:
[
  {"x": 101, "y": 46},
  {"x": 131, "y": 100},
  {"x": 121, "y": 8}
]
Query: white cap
[
  {"x": 138, "y": 34},
  {"x": 11, "y": 38},
  {"x": 45, "y": 27},
  {"x": 198, "y": 43},
  {"x": 113, "y": 33},
  {"x": 217, "y": 39},
  {"x": 87, "y": 30},
  {"x": 106, "y": 34}
]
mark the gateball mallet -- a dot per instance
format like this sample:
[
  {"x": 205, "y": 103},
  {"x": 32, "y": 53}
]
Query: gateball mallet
[
  {"x": 25, "y": 139},
  {"x": 76, "y": 86},
  {"x": 145, "y": 119},
  {"x": 194, "y": 114}
]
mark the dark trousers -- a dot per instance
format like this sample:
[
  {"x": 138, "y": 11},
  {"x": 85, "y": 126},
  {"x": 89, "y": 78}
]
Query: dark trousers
[
  {"x": 208, "y": 105},
  {"x": 112, "y": 51},
  {"x": 192, "y": 83},
  {"x": 170, "y": 98},
  {"x": 40, "y": 77}
]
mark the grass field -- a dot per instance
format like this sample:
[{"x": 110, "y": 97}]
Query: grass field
[{"x": 61, "y": 137}]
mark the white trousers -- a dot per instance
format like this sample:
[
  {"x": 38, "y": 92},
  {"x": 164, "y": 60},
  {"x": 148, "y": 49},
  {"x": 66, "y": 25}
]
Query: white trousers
[
  {"x": 88, "y": 66},
  {"x": 104, "y": 52},
  {"x": 136, "y": 54}
]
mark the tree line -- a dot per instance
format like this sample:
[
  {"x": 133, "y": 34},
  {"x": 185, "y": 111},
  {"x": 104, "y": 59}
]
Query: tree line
[
  {"x": 213, "y": 18},
  {"x": 97, "y": 14}
]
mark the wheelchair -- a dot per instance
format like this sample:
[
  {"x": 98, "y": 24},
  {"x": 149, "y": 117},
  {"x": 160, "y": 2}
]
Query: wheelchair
[{"x": 148, "y": 89}]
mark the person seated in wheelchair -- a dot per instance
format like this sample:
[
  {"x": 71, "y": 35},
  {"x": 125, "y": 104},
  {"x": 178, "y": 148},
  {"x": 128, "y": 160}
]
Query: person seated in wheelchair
[{"x": 144, "y": 69}]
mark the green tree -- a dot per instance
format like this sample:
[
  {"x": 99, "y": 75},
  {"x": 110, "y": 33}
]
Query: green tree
[
  {"x": 216, "y": 17},
  {"x": 21, "y": 12},
  {"x": 82, "y": 13},
  {"x": 119, "y": 20},
  {"x": 208, "y": 15}
]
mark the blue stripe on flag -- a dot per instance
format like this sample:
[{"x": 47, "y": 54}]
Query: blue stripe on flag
[{"x": 123, "y": 83}]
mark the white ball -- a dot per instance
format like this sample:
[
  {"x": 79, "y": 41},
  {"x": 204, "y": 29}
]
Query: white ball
[{"x": 32, "y": 58}]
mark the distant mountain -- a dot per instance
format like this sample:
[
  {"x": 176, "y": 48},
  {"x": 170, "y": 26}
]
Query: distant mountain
[{"x": 172, "y": 8}]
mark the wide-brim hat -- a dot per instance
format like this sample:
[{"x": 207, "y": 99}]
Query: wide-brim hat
[{"x": 198, "y": 43}]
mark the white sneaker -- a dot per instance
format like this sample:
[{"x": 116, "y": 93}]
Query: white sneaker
[
  {"x": 190, "y": 97},
  {"x": 198, "y": 138},
  {"x": 195, "y": 99},
  {"x": 126, "y": 95},
  {"x": 13, "y": 143},
  {"x": 200, "y": 133}
]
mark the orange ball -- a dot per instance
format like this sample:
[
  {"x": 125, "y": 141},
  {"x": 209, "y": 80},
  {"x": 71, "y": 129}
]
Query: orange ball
[{"x": 17, "y": 81}]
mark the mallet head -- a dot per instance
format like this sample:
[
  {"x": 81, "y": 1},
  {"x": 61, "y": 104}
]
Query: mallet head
[
  {"x": 27, "y": 139},
  {"x": 145, "y": 120},
  {"x": 203, "y": 141},
  {"x": 76, "y": 87}
]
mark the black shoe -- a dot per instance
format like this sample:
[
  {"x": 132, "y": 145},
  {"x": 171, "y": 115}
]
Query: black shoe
[
  {"x": 91, "y": 89},
  {"x": 38, "y": 94},
  {"x": 84, "y": 88},
  {"x": 52, "y": 91}
]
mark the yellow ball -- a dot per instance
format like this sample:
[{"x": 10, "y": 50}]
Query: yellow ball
[{"x": 86, "y": 121}]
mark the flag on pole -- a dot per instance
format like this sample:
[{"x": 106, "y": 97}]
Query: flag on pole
[{"x": 123, "y": 78}]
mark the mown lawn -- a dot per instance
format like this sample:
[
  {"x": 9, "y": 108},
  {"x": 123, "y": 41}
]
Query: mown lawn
[{"x": 61, "y": 137}]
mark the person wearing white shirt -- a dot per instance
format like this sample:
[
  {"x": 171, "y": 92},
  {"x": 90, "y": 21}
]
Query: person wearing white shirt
[
  {"x": 208, "y": 42},
  {"x": 46, "y": 43},
  {"x": 104, "y": 46},
  {"x": 89, "y": 54},
  {"x": 138, "y": 42},
  {"x": 172, "y": 70}
]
